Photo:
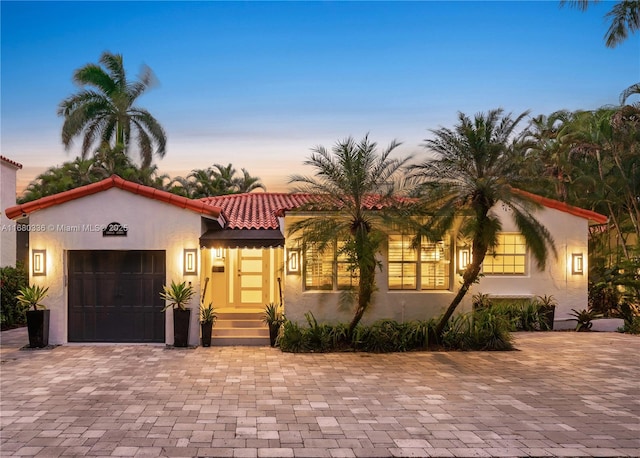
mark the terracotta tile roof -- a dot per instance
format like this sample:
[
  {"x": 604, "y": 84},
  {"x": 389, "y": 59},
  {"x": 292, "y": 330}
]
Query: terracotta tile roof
[
  {"x": 556, "y": 204},
  {"x": 113, "y": 182},
  {"x": 257, "y": 210},
  {"x": 247, "y": 211},
  {"x": 10, "y": 162}
]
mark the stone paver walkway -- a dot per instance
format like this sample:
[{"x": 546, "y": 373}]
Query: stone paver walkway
[{"x": 561, "y": 394}]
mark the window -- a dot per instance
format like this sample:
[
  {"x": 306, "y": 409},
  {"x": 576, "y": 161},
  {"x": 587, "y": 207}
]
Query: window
[
  {"x": 328, "y": 269},
  {"x": 402, "y": 263},
  {"x": 508, "y": 258},
  {"x": 318, "y": 267},
  {"x": 434, "y": 265},
  {"x": 347, "y": 276},
  {"x": 432, "y": 270}
]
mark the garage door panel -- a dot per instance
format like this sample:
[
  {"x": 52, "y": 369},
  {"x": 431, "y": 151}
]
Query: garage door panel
[{"x": 114, "y": 296}]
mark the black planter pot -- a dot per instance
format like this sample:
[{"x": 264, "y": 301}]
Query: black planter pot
[
  {"x": 547, "y": 315},
  {"x": 38, "y": 328},
  {"x": 273, "y": 333},
  {"x": 181, "y": 320},
  {"x": 206, "y": 329}
]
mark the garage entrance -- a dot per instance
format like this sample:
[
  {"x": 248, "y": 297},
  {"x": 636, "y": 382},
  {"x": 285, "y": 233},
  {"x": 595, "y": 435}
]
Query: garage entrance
[{"x": 114, "y": 296}]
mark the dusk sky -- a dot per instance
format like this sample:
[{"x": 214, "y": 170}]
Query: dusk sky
[{"x": 260, "y": 84}]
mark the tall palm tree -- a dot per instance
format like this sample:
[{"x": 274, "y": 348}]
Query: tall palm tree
[
  {"x": 104, "y": 111},
  {"x": 360, "y": 183},
  {"x": 477, "y": 165},
  {"x": 624, "y": 19}
]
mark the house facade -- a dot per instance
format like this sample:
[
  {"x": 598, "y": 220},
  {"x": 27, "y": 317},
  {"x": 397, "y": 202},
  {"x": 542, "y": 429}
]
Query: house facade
[
  {"x": 105, "y": 250},
  {"x": 8, "y": 171}
]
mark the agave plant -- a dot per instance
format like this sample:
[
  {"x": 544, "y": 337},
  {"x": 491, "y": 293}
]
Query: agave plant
[
  {"x": 584, "y": 317},
  {"x": 177, "y": 295},
  {"x": 30, "y": 296}
]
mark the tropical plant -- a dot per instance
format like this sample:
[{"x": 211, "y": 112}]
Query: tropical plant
[
  {"x": 272, "y": 315},
  {"x": 104, "y": 111},
  {"x": 207, "y": 314},
  {"x": 482, "y": 329},
  {"x": 584, "y": 318},
  {"x": 481, "y": 301},
  {"x": 12, "y": 279},
  {"x": 361, "y": 184},
  {"x": 217, "y": 180},
  {"x": 177, "y": 295},
  {"x": 624, "y": 19},
  {"x": 32, "y": 296},
  {"x": 477, "y": 166}
]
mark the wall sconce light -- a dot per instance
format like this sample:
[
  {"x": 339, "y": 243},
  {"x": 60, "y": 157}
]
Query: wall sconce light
[
  {"x": 39, "y": 263},
  {"x": 218, "y": 253},
  {"x": 464, "y": 258},
  {"x": 293, "y": 261},
  {"x": 577, "y": 264},
  {"x": 190, "y": 264}
]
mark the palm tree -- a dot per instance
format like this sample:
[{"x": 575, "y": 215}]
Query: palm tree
[
  {"x": 104, "y": 112},
  {"x": 477, "y": 166},
  {"x": 247, "y": 183},
  {"x": 217, "y": 180},
  {"x": 624, "y": 19},
  {"x": 550, "y": 152},
  {"x": 360, "y": 184}
]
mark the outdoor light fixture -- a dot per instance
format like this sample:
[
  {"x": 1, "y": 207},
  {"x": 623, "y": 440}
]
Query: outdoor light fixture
[
  {"x": 218, "y": 253},
  {"x": 577, "y": 264},
  {"x": 464, "y": 258},
  {"x": 39, "y": 263},
  {"x": 293, "y": 261},
  {"x": 190, "y": 265}
]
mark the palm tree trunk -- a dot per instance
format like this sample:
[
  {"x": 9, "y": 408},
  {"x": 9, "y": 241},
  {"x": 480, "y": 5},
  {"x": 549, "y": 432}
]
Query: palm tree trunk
[
  {"x": 365, "y": 291},
  {"x": 469, "y": 278}
]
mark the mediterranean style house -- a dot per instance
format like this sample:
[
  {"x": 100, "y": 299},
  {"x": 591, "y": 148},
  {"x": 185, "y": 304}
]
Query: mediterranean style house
[
  {"x": 8, "y": 169},
  {"x": 106, "y": 249}
]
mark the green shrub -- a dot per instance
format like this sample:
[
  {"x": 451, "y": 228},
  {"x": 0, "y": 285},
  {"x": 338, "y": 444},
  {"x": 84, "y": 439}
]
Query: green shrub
[
  {"x": 292, "y": 338},
  {"x": 12, "y": 279},
  {"x": 482, "y": 329},
  {"x": 381, "y": 336},
  {"x": 632, "y": 326}
]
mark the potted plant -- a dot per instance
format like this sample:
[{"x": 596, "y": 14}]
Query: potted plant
[
  {"x": 177, "y": 296},
  {"x": 207, "y": 319},
  {"x": 38, "y": 318},
  {"x": 274, "y": 318},
  {"x": 547, "y": 311}
]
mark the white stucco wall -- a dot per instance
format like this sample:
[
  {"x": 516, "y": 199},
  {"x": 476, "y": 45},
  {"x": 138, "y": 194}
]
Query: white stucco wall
[
  {"x": 152, "y": 225},
  {"x": 7, "y": 227},
  {"x": 570, "y": 234}
]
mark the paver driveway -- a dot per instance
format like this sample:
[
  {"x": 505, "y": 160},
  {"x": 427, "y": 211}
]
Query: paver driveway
[{"x": 561, "y": 394}]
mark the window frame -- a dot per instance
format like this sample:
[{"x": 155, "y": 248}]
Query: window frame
[
  {"x": 337, "y": 259},
  {"x": 420, "y": 264},
  {"x": 524, "y": 254}
]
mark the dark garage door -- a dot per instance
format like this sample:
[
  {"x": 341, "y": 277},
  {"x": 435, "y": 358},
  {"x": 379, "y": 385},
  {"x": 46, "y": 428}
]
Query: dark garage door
[{"x": 114, "y": 296}]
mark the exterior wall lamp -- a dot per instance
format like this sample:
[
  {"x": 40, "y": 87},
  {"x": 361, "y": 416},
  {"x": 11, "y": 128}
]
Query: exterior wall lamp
[
  {"x": 190, "y": 261},
  {"x": 464, "y": 258},
  {"x": 293, "y": 261},
  {"x": 577, "y": 264},
  {"x": 39, "y": 263}
]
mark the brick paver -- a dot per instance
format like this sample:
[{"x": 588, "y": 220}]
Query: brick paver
[{"x": 560, "y": 394}]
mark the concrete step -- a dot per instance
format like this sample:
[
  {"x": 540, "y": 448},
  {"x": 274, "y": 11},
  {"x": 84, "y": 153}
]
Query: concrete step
[
  {"x": 225, "y": 323},
  {"x": 240, "y": 341},
  {"x": 240, "y": 332},
  {"x": 240, "y": 316}
]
